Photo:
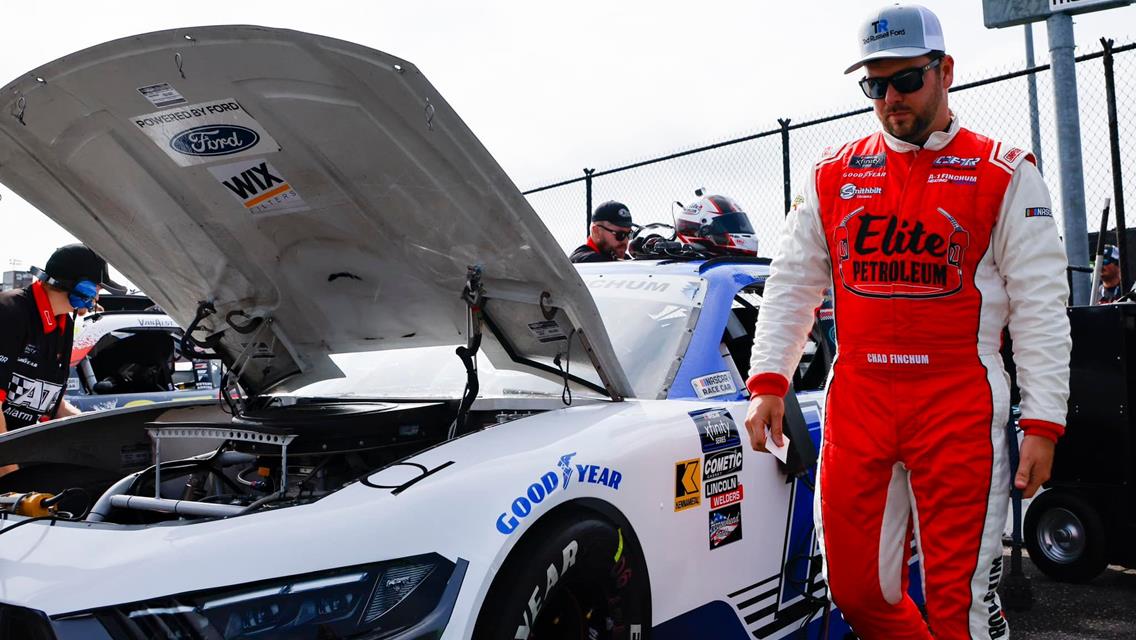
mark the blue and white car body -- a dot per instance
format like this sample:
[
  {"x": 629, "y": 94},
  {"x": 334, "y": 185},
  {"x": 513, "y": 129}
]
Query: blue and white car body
[{"x": 314, "y": 212}]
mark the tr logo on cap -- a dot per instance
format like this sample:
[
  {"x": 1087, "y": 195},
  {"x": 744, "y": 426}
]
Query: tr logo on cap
[{"x": 899, "y": 31}]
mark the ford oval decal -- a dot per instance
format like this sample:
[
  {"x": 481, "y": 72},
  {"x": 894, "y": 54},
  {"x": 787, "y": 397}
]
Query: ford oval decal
[{"x": 214, "y": 140}]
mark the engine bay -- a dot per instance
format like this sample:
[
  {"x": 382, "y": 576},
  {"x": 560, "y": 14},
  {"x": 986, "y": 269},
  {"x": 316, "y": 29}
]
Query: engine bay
[{"x": 283, "y": 452}]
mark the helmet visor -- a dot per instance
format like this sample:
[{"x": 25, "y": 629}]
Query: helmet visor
[{"x": 734, "y": 222}]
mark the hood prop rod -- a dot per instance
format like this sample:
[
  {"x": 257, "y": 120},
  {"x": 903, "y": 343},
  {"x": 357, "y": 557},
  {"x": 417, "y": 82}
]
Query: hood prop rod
[{"x": 474, "y": 295}]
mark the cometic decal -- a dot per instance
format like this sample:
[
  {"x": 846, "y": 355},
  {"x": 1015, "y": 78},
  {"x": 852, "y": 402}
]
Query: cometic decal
[
  {"x": 565, "y": 475},
  {"x": 688, "y": 489},
  {"x": 259, "y": 186},
  {"x": 722, "y": 463},
  {"x": 201, "y": 133},
  {"x": 716, "y": 429}
]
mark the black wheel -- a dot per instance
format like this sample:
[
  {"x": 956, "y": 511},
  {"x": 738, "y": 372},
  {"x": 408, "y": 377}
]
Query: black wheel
[
  {"x": 569, "y": 579},
  {"x": 1066, "y": 537}
]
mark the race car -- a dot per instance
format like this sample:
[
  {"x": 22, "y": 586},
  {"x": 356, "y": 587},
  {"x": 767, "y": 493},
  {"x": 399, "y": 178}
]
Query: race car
[
  {"x": 432, "y": 426},
  {"x": 132, "y": 356}
]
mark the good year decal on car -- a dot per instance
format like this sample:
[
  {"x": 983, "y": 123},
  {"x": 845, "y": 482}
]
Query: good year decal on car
[{"x": 555, "y": 480}]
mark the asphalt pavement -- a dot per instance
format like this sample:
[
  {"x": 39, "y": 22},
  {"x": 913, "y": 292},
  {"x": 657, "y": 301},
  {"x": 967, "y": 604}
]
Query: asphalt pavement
[{"x": 1103, "y": 609}]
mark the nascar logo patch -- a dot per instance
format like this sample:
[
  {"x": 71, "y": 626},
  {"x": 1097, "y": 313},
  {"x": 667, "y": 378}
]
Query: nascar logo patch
[{"x": 1039, "y": 212}]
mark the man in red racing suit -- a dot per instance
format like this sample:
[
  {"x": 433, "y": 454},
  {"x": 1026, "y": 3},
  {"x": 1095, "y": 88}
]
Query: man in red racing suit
[{"x": 933, "y": 238}]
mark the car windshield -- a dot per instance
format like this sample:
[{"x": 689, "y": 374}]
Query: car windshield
[{"x": 646, "y": 317}]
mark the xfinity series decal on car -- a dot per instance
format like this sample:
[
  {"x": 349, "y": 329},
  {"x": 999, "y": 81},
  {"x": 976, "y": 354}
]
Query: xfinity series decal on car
[
  {"x": 715, "y": 384},
  {"x": 687, "y": 485},
  {"x": 198, "y": 133},
  {"x": 716, "y": 428},
  {"x": 259, "y": 186},
  {"x": 725, "y": 526},
  {"x": 549, "y": 483}
]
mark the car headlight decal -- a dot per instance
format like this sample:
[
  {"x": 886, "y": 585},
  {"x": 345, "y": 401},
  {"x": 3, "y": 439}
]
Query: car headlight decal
[{"x": 396, "y": 584}]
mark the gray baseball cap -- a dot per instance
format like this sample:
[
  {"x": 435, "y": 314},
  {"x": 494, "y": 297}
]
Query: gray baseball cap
[{"x": 899, "y": 31}]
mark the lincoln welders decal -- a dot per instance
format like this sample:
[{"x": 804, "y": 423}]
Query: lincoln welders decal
[
  {"x": 915, "y": 256},
  {"x": 716, "y": 428},
  {"x": 725, "y": 526},
  {"x": 203, "y": 132},
  {"x": 550, "y": 483}
]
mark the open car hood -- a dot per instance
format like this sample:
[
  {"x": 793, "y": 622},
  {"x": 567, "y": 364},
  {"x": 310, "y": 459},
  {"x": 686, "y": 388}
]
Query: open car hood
[{"x": 321, "y": 195}]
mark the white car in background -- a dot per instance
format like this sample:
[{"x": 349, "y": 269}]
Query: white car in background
[{"x": 316, "y": 215}]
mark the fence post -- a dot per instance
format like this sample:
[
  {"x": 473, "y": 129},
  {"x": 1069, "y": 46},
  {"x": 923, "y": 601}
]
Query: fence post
[
  {"x": 588, "y": 197},
  {"x": 1117, "y": 176},
  {"x": 784, "y": 122},
  {"x": 1059, "y": 28},
  {"x": 1031, "y": 84}
]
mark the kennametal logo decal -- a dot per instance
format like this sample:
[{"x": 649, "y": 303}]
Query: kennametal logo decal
[{"x": 214, "y": 140}]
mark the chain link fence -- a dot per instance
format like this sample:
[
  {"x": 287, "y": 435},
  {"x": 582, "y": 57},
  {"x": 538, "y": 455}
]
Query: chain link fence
[{"x": 764, "y": 171}]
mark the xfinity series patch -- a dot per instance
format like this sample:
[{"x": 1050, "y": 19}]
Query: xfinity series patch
[
  {"x": 716, "y": 428},
  {"x": 722, "y": 463},
  {"x": 1039, "y": 212},
  {"x": 161, "y": 95},
  {"x": 868, "y": 162},
  {"x": 567, "y": 473},
  {"x": 204, "y": 132},
  {"x": 715, "y": 384},
  {"x": 547, "y": 331},
  {"x": 725, "y": 526},
  {"x": 259, "y": 187},
  {"x": 688, "y": 490}
]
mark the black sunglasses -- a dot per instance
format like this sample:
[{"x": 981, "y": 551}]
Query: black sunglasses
[
  {"x": 619, "y": 235},
  {"x": 906, "y": 81}
]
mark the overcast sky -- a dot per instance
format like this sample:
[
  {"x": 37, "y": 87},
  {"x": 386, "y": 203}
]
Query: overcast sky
[{"x": 553, "y": 87}]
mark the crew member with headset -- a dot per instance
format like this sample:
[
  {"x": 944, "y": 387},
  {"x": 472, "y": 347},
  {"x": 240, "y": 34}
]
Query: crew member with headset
[
  {"x": 609, "y": 234},
  {"x": 36, "y": 332}
]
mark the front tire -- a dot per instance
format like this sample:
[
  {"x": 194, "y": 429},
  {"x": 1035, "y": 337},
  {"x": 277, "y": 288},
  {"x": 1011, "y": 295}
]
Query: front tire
[
  {"x": 569, "y": 578},
  {"x": 1066, "y": 537}
]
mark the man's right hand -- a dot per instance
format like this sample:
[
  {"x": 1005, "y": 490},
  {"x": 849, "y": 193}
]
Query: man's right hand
[{"x": 765, "y": 411}]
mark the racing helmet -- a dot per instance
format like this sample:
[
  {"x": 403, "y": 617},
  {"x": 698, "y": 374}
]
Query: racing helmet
[{"x": 716, "y": 224}]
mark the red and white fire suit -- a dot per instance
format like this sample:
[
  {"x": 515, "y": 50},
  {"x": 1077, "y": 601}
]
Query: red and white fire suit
[{"x": 930, "y": 252}]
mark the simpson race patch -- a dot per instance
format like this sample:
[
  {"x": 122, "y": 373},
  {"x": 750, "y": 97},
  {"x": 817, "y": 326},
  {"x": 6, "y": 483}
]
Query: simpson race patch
[
  {"x": 1039, "y": 212},
  {"x": 259, "y": 186},
  {"x": 205, "y": 132}
]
